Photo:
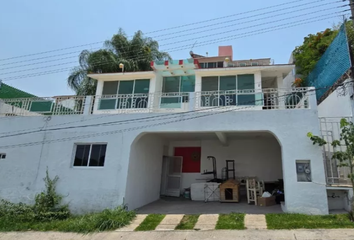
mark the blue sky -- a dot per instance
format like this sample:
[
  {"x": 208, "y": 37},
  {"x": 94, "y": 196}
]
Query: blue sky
[{"x": 35, "y": 26}]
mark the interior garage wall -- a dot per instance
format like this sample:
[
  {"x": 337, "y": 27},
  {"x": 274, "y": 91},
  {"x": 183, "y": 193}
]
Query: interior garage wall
[
  {"x": 187, "y": 178},
  {"x": 259, "y": 157},
  {"x": 144, "y": 174}
]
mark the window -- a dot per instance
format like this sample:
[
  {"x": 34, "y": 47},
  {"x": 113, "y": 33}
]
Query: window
[
  {"x": 125, "y": 94},
  {"x": 212, "y": 65},
  {"x": 254, "y": 64},
  {"x": 227, "y": 90},
  {"x": 174, "y": 90},
  {"x": 243, "y": 64},
  {"x": 2, "y": 156},
  {"x": 90, "y": 155}
]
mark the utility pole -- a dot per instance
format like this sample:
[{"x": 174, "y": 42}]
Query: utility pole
[{"x": 351, "y": 4}]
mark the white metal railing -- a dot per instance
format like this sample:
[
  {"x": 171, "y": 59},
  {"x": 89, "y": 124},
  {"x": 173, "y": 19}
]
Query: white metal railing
[
  {"x": 42, "y": 106},
  {"x": 330, "y": 131},
  {"x": 270, "y": 98}
]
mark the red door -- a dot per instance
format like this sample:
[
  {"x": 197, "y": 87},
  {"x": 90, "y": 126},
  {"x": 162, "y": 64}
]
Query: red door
[{"x": 191, "y": 158}]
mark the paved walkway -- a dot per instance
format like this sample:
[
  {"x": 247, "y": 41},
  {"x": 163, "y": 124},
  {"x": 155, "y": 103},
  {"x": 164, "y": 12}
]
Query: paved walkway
[
  {"x": 134, "y": 224},
  {"x": 169, "y": 222},
  {"x": 255, "y": 221},
  {"x": 333, "y": 234},
  {"x": 206, "y": 222}
]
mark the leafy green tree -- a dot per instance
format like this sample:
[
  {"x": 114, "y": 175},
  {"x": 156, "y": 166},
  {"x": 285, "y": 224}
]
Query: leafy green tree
[
  {"x": 314, "y": 46},
  {"x": 135, "y": 53},
  {"x": 345, "y": 157}
]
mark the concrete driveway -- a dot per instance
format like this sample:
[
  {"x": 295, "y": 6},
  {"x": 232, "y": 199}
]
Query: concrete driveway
[{"x": 188, "y": 235}]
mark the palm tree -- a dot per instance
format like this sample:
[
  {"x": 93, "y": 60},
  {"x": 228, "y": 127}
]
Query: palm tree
[{"x": 136, "y": 55}]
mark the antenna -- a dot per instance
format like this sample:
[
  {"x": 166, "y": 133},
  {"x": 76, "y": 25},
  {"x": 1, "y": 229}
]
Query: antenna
[{"x": 193, "y": 45}]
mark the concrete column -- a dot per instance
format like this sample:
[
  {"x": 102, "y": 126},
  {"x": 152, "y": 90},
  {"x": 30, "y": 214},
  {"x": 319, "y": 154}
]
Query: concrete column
[
  {"x": 99, "y": 88},
  {"x": 192, "y": 101},
  {"x": 280, "y": 80},
  {"x": 89, "y": 101},
  {"x": 312, "y": 98},
  {"x": 281, "y": 93},
  {"x": 198, "y": 83}
]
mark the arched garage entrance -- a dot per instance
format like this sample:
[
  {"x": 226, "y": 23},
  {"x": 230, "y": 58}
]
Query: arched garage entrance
[{"x": 256, "y": 154}]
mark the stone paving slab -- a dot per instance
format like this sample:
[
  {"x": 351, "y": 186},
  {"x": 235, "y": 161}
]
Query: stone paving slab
[
  {"x": 206, "y": 222},
  {"x": 255, "y": 221},
  {"x": 169, "y": 222},
  {"x": 301, "y": 234},
  {"x": 134, "y": 224}
]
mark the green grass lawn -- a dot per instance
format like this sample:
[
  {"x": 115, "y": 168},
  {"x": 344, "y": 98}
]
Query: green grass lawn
[
  {"x": 294, "y": 221},
  {"x": 94, "y": 222},
  {"x": 150, "y": 222},
  {"x": 188, "y": 222},
  {"x": 231, "y": 221}
]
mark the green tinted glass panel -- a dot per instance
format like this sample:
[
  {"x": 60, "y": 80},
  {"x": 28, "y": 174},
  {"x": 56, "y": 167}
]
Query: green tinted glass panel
[
  {"x": 248, "y": 99},
  {"x": 126, "y": 87},
  {"x": 107, "y": 104},
  {"x": 171, "y": 84},
  {"x": 259, "y": 99},
  {"x": 170, "y": 102},
  {"x": 40, "y": 106},
  {"x": 142, "y": 86},
  {"x": 228, "y": 83},
  {"x": 187, "y": 83},
  {"x": 110, "y": 88},
  {"x": 245, "y": 81},
  {"x": 210, "y": 84}
]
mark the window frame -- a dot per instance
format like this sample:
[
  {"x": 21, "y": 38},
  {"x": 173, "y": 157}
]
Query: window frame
[
  {"x": 89, "y": 155},
  {"x": 237, "y": 92},
  {"x": 117, "y": 94},
  {"x": 181, "y": 96}
]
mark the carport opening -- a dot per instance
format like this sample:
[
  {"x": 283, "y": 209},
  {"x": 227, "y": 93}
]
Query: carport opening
[{"x": 194, "y": 172}]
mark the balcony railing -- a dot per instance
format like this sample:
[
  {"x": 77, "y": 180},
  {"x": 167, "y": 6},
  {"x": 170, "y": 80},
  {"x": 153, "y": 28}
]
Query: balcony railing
[{"x": 159, "y": 102}]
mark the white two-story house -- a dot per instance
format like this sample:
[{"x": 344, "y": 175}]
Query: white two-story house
[{"x": 152, "y": 133}]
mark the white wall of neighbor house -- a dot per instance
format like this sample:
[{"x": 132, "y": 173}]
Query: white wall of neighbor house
[
  {"x": 92, "y": 189},
  {"x": 336, "y": 105}
]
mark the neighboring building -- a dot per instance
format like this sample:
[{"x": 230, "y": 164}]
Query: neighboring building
[{"x": 120, "y": 147}]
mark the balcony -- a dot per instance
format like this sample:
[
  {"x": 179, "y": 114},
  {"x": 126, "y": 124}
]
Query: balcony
[{"x": 265, "y": 99}]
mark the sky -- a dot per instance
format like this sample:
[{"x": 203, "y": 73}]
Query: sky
[{"x": 31, "y": 27}]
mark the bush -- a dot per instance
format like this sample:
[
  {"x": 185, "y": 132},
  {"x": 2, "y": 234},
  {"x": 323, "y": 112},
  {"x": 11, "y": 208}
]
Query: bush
[{"x": 47, "y": 206}]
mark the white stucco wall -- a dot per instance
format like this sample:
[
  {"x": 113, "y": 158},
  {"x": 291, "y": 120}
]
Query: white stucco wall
[
  {"x": 335, "y": 106},
  {"x": 144, "y": 175},
  {"x": 22, "y": 171},
  {"x": 260, "y": 157}
]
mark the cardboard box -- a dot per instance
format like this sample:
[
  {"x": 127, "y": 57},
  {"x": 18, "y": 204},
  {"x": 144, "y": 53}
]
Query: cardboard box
[{"x": 264, "y": 202}]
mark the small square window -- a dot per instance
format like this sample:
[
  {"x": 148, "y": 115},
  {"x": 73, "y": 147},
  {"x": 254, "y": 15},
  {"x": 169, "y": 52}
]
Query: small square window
[
  {"x": 90, "y": 155},
  {"x": 303, "y": 170},
  {"x": 2, "y": 155}
]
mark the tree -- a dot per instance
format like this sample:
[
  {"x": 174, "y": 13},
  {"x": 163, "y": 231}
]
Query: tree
[
  {"x": 136, "y": 55},
  {"x": 345, "y": 157},
  {"x": 314, "y": 46}
]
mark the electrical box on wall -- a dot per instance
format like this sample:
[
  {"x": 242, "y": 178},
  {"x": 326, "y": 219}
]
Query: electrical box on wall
[{"x": 303, "y": 170}]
